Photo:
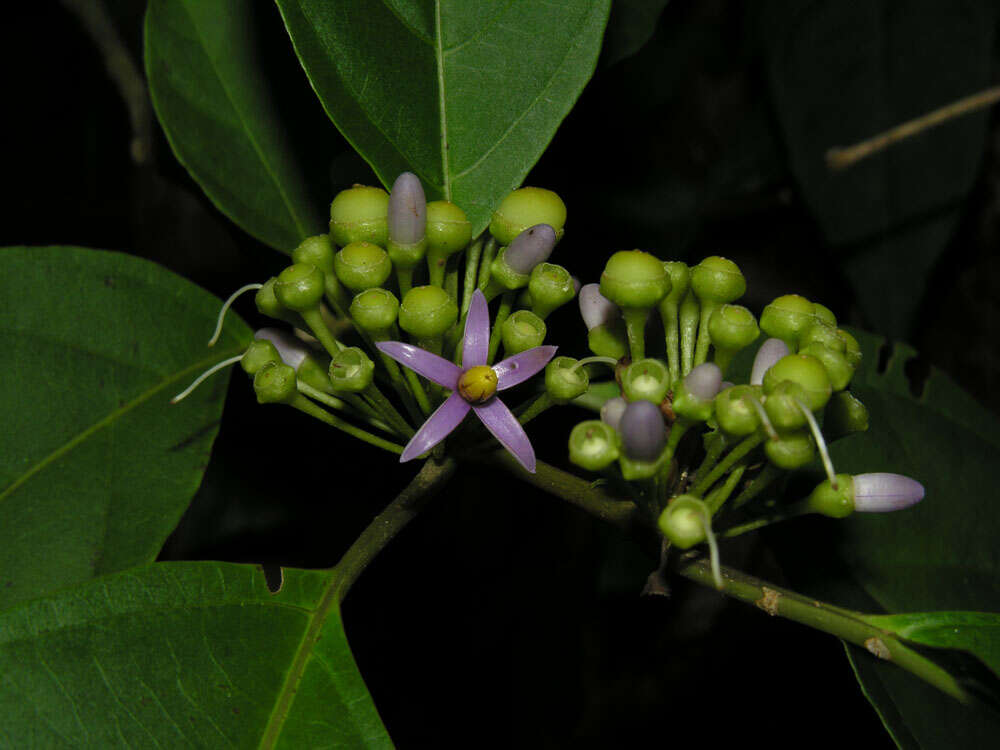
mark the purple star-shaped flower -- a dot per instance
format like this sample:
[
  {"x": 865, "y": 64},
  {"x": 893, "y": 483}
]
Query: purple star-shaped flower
[{"x": 474, "y": 386}]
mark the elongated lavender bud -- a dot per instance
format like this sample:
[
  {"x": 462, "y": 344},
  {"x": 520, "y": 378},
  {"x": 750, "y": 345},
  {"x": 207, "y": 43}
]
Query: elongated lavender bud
[
  {"x": 704, "y": 382},
  {"x": 595, "y": 308},
  {"x": 290, "y": 349},
  {"x": 530, "y": 247},
  {"x": 407, "y": 213},
  {"x": 643, "y": 431},
  {"x": 612, "y": 411},
  {"x": 770, "y": 352},
  {"x": 881, "y": 492}
]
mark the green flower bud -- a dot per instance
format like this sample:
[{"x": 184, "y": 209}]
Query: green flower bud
[
  {"x": 316, "y": 251},
  {"x": 680, "y": 281},
  {"x": 300, "y": 287},
  {"x": 564, "y": 381},
  {"x": 362, "y": 265},
  {"x": 551, "y": 287},
  {"x": 843, "y": 416},
  {"x": 787, "y": 317},
  {"x": 360, "y": 214},
  {"x": 835, "y": 503},
  {"x": 351, "y": 371},
  {"x": 782, "y": 407},
  {"x": 268, "y": 304},
  {"x": 805, "y": 370},
  {"x": 838, "y": 368},
  {"x": 593, "y": 445},
  {"x": 852, "y": 349},
  {"x": 608, "y": 340},
  {"x": 821, "y": 333},
  {"x": 646, "y": 380},
  {"x": 791, "y": 451},
  {"x": 525, "y": 208},
  {"x": 634, "y": 279},
  {"x": 683, "y": 521},
  {"x": 735, "y": 412},
  {"x": 427, "y": 312},
  {"x": 717, "y": 280},
  {"x": 275, "y": 383},
  {"x": 259, "y": 353},
  {"x": 824, "y": 314},
  {"x": 521, "y": 331},
  {"x": 375, "y": 310},
  {"x": 694, "y": 396},
  {"x": 448, "y": 229},
  {"x": 731, "y": 328}
]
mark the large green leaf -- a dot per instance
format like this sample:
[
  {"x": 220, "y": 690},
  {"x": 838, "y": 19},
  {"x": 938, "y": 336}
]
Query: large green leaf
[
  {"x": 843, "y": 72},
  {"x": 184, "y": 655},
  {"x": 938, "y": 555},
  {"x": 96, "y": 467},
  {"x": 209, "y": 85},
  {"x": 975, "y": 632},
  {"x": 465, "y": 93}
]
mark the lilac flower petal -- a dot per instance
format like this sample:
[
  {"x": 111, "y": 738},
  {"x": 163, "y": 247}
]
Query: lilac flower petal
[
  {"x": 437, "y": 427},
  {"x": 504, "y": 425},
  {"x": 476, "y": 342},
  {"x": 770, "y": 352},
  {"x": 704, "y": 381},
  {"x": 881, "y": 492},
  {"x": 595, "y": 308},
  {"x": 436, "y": 369},
  {"x": 520, "y": 367}
]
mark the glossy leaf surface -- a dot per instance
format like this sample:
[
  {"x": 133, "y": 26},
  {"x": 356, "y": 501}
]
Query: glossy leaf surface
[{"x": 96, "y": 466}]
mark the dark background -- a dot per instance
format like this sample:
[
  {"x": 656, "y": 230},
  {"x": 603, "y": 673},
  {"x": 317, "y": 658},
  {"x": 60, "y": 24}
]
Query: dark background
[{"x": 502, "y": 617}]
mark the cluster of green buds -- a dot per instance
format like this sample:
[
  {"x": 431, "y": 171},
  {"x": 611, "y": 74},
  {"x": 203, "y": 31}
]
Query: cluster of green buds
[
  {"x": 398, "y": 271},
  {"x": 696, "y": 451}
]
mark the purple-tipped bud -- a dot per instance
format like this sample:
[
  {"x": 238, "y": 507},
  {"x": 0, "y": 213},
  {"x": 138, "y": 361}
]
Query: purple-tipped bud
[
  {"x": 643, "y": 431},
  {"x": 881, "y": 492},
  {"x": 595, "y": 308},
  {"x": 407, "y": 210},
  {"x": 704, "y": 381},
  {"x": 611, "y": 412},
  {"x": 770, "y": 352},
  {"x": 531, "y": 247},
  {"x": 576, "y": 284},
  {"x": 290, "y": 349}
]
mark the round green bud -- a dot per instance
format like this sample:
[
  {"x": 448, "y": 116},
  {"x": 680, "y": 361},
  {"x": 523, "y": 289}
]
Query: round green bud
[
  {"x": 824, "y": 314},
  {"x": 824, "y": 334},
  {"x": 844, "y": 415},
  {"x": 636, "y": 279},
  {"x": 564, "y": 381},
  {"x": 351, "y": 371},
  {"x": 838, "y": 367},
  {"x": 275, "y": 383},
  {"x": 521, "y": 331},
  {"x": 593, "y": 445},
  {"x": 362, "y": 265},
  {"x": 300, "y": 287},
  {"x": 732, "y": 327},
  {"x": 835, "y": 503},
  {"x": 375, "y": 310},
  {"x": 791, "y": 451},
  {"x": 852, "y": 349},
  {"x": 551, "y": 287},
  {"x": 268, "y": 304},
  {"x": 735, "y": 412},
  {"x": 608, "y": 340},
  {"x": 448, "y": 230},
  {"x": 316, "y": 251},
  {"x": 787, "y": 317},
  {"x": 680, "y": 281},
  {"x": 525, "y": 208},
  {"x": 260, "y": 352},
  {"x": 807, "y": 372},
  {"x": 782, "y": 407},
  {"x": 427, "y": 312},
  {"x": 718, "y": 280},
  {"x": 646, "y": 380},
  {"x": 360, "y": 214},
  {"x": 683, "y": 521}
]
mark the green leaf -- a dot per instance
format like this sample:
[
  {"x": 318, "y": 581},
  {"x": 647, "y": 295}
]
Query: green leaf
[
  {"x": 843, "y": 72},
  {"x": 975, "y": 632},
  {"x": 465, "y": 93},
  {"x": 208, "y": 82},
  {"x": 184, "y": 655},
  {"x": 937, "y": 555},
  {"x": 96, "y": 467}
]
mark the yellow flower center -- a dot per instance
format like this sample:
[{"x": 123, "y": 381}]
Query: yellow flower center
[{"x": 478, "y": 384}]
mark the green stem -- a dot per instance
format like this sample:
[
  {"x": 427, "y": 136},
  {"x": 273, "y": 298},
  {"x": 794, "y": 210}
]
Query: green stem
[
  {"x": 506, "y": 303},
  {"x": 489, "y": 253},
  {"x": 758, "y": 484},
  {"x": 535, "y": 408},
  {"x": 635, "y": 327},
  {"x": 741, "y": 450},
  {"x": 471, "y": 271},
  {"x": 404, "y": 276},
  {"x": 315, "y": 322},
  {"x": 668, "y": 314},
  {"x": 716, "y": 446},
  {"x": 717, "y": 498},
  {"x": 784, "y": 514},
  {"x": 335, "y": 403},
  {"x": 388, "y": 412},
  {"x": 689, "y": 329},
  {"x": 303, "y": 404},
  {"x": 848, "y": 626},
  {"x": 451, "y": 278},
  {"x": 704, "y": 340}
]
